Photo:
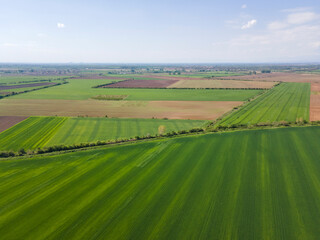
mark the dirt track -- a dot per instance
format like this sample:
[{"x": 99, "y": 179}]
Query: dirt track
[{"x": 9, "y": 121}]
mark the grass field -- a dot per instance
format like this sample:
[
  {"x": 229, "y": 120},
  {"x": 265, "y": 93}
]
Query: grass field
[
  {"x": 207, "y": 74},
  {"x": 79, "y": 89},
  {"x": 37, "y": 132},
  {"x": 242, "y": 185},
  {"x": 286, "y": 102}
]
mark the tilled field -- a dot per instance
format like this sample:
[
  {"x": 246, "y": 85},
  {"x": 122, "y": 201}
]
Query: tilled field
[
  {"x": 223, "y": 84},
  {"x": 278, "y": 77},
  {"x": 315, "y": 102},
  {"x": 196, "y": 110},
  {"x": 9, "y": 121}
]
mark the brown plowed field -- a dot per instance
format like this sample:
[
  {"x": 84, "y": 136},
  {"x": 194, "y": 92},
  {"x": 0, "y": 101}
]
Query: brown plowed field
[
  {"x": 9, "y": 121},
  {"x": 278, "y": 77},
  {"x": 202, "y": 110},
  {"x": 314, "y": 107},
  {"x": 315, "y": 102},
  {"x": 142, "y": 84},
  {"x": 315, "y": 87},
  {"x": 222, "y": 84},
  {"x": 26, "y": 85}
]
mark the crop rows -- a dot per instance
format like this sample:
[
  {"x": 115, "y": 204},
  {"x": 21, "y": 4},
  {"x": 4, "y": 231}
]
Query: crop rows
[
  {"x": 31, "y": 133},
  {"x": 38, "y": 132},
  {"x": 286, "y": 102},
  {"x": 243, "y": 185}
]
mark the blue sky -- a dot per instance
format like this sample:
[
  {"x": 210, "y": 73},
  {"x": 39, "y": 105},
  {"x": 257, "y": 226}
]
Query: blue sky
[{"x": 173, "y": 31}]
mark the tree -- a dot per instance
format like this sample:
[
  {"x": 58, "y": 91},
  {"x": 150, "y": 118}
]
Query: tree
[{"x": 161, "y": 129}]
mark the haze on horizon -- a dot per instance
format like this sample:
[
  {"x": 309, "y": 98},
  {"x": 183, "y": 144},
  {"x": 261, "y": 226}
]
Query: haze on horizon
[{"x": 141, "y": 31}]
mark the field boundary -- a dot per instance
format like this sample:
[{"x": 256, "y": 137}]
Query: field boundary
[
  {"x": 60, "y": 149},
  {"x": 31, "y": 90}
]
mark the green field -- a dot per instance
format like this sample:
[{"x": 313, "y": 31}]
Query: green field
[
  {"x": 243, "y": 185},
  {"x": 79, "y": 89},
  {"x": 286, "y": 102},
  {"x": 31, "y": 133},
  {"x": 207, "y": 74},
  {"x": 38, "y": 132},
  {"x": 27, "y": 79}
]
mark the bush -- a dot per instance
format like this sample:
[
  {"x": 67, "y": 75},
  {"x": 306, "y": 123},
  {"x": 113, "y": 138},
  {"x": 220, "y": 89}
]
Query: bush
[{"x": 21, "y": 152}]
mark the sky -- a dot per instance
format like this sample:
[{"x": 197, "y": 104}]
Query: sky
[{"x": 167, "y": 31}]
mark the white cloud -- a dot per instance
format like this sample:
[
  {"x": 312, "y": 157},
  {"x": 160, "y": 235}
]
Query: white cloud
[
  {"x": 249, "y": 24},
  {"x": 301, "y": 17},
  {"x": 244, "y": 6},
  {"x": 299, "y": 9},
  {"x": 61, "y": 25},
  {"x": 277, "y": 25},
  {"x": 277, "y": 43}
]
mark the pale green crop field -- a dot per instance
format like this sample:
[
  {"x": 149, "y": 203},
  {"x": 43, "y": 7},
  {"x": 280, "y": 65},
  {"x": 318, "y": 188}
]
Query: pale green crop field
[
  {"x": 39, "y": 132},
  {"x": 261, "y": 184},
  {"x": 286, "y": 102}
]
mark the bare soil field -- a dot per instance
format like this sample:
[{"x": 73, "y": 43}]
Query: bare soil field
[
  {"x": 315, "y": 107},
  {"x": 315, "y": 87},
  {"x": 315, "y": 102},
  {"x": 222, "y": 84},
  {"x": 278, "y": 76},
  {"x": 141, "y": 84},
  {"x": 25, "y": 85},
  {"x": 197, "y": 110},
  {"x": 9, "y": 121}
]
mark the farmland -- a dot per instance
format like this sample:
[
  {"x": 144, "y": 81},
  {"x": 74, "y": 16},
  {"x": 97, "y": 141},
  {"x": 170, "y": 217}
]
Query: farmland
[
  {"x": 222, "y": 84},
  {"x": 142, "y": 84},
  {"x": 6, "y": 87},
  {"x": 9, "y": 121},
  {"x": 30, "y": 134},
  {"x": 286, "y": 102},
  {"x": 196, "y": 110},
  {"x": 245, "y": 171},
  {"x": 9, "y": 80},
  {"x": 38, "y": 132},
  {"x": 278, "y": 77},
  {"x": 315, "y": 102},
  {"x": 193, "y": 84},
  {"x": 80, "y": 89},
  {"x": 182, "y": 188}
]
